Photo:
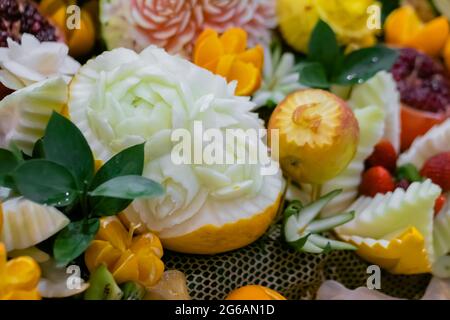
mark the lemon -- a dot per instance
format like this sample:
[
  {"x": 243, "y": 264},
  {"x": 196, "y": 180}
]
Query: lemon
[
  {"x": 297, "y": 19},
  {"x": 348, "y": 18}
]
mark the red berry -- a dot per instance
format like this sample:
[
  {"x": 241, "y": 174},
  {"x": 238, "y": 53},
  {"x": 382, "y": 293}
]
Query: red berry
[
  {"x": 437, "y": 169},
  {"x": 383, "y": 155},
  {"x": 376, "y": 180},
  {"x": 439, "y": 204}
]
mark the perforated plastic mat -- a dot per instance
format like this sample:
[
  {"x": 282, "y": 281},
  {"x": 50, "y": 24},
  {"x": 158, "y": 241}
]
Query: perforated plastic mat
[{"x": 296, "y": 275}]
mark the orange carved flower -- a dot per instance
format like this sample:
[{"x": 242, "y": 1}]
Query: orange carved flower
[
  {"x": 128, "y": 258},
  {"x": 19, "y": 277},
  {"x": 227, "y": 56}
]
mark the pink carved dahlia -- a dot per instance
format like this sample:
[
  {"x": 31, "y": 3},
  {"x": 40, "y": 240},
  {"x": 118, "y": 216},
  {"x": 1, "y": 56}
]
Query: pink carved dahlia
[{"x": 175, "y": 24}]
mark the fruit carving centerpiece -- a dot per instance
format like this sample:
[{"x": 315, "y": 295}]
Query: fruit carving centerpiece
[{"x": 122, "y": 98}]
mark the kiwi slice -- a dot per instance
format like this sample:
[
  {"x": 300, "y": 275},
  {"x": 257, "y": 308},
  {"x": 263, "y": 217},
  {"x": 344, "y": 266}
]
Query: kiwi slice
[
  {"x": 132, "y": 291},
  {"x": 102, "y": 286}
]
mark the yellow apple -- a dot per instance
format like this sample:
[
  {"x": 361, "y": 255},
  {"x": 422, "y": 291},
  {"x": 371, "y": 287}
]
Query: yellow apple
[{"x": 317, "y": 135}]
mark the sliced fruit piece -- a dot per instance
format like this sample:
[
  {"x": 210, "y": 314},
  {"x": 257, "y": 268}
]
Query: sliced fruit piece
[
  {"x": 254, "y": 292},
  {"x": 24, "y": 114},
  {"x": 380, "y": 91},
  {"x": 431, "y": 38},
  {"x": 26, "y": 223},
  {"x": 318, "y": 135},
  {"x": 416, "y": 123},
  {"x": 102, "y": 286},
  {"x": 404, "y": 254},
  {"x": 54, "y": 281},
  {"x": 385, "y": 215},
  {"x": 432, "y": 143},
  {"x": 171, "y": 286},
  {"x": 401, "y": 24},
  {"x": 376, "y": 180},
  {"x": 132, "y": 291},
  {"x": 437, "y": 168}
]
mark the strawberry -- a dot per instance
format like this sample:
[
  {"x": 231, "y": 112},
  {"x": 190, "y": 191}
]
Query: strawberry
[
  {"x": 437, "y": 169},
  {"x": 439, "y": 204},
  {"x": 376, "y": 180},
  {"x": 383, "y": 155}
]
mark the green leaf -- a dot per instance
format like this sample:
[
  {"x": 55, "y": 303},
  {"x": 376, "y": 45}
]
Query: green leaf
[
  {"x": 8, "y": 162},
  {"x": 65, "y": 144},
  {"x": 293, "y": 208},
  {"x": 45, "y": 182},
  {"x": 323, "y": 46},
  {"x": 74, "y": 239},
  {"x": 312, "y": 74},
  {"x": 128, "y": 187},
  {"x": 300, "y": 243},
  {"x": 128, "y": 162},
  {"x": 38, "y": 150},
  {"x": 408, "y": 172},
  {"x": 363, "y": 64}
]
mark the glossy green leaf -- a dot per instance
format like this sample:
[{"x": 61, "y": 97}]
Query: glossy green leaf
[
  {"x": 65, "y": 144},
  {"x": 363, "y": 64},
  {"x": 45, "y": 182},
  {"x": 312, "y": 74},
  {"x": 323, "y": 46},
  {"x": 8, "y": 162},
  {"x": 128, "y": 162},
  {"x": 128, "y": 187},
  {"x": 74, "y": 239}
]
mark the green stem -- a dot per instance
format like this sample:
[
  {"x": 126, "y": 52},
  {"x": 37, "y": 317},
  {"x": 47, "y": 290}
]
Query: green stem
[{"x": 316, "y": 191}]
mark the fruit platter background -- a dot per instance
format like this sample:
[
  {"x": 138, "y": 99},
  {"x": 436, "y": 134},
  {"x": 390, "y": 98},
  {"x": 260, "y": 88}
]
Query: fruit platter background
[{"x": 93, "y": 206}]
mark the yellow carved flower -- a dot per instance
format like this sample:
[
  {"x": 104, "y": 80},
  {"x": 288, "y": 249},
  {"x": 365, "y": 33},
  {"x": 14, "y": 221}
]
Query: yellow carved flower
[
  {"x": 128, "y": 258},
  {"x": 19, "y": 277}
]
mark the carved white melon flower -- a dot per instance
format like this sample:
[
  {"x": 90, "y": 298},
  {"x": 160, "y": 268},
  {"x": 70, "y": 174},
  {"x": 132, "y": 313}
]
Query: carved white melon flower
[{"x": 32, "y": 61}]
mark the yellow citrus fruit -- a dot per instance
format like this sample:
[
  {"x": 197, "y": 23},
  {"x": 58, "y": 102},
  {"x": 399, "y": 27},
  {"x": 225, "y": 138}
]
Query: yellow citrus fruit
[
  {"x": 254, "y": 292},
  {"x": 318, "y": 135},
  {"x": 348, "y": 18},
  {"x": 297, "y": 19}
]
